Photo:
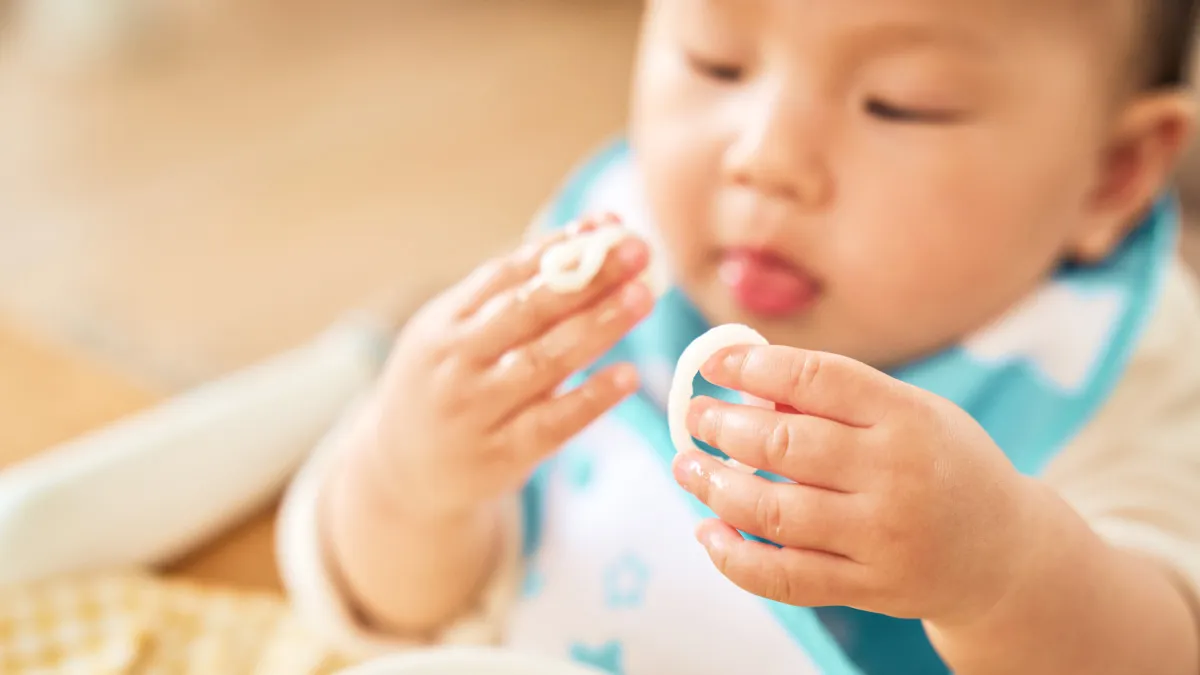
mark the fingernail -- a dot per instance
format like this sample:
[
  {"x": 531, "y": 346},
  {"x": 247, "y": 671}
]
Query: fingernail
[
  {"x": 724, "y": 360},
  {"x": 711, "y": 538},
  {"x": 631, "y": 254},
  {"x": 688, "y": 471},
  {"x": 636, "y": 297},
  {"x": 701, "y": 414},
  {"x": 625, "y": 378},
  {"x": 733, "y": 359},
  {"x": 581, "y": 226}
]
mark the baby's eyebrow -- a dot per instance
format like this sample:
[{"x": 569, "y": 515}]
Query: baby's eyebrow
[
  {"x": 722, "y": 5},
  {"x": 895, "y": 37},
  {"x": 880, "y": 36}
]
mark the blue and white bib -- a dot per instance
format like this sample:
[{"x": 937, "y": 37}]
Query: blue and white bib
[{"x": 615, "y": 578}]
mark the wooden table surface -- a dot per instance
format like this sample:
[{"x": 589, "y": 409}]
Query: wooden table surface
[
  {"x": 52, "y": 393},
  {"x": 168, "y": 220}
]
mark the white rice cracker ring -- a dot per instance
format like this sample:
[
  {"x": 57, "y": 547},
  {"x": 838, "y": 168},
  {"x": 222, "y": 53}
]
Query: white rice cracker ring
[
  {"x": 693, "y": 358},
  {"x": 572, "y": 265}
]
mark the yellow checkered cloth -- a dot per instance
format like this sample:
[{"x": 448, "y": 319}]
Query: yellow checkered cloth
[{"x": 140, "y": 625}]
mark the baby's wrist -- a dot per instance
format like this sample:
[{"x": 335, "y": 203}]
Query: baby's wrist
[
  {"x": 367, "y": 474},
  {"x": 377, "y": 546},
  {"x": 1050, "y": 538}
]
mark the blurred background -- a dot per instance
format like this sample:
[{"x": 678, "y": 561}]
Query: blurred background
[{"x": 188, "y": 186}]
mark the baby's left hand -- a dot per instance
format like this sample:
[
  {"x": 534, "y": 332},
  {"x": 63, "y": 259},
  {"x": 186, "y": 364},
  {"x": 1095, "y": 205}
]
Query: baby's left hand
[{"x": 902, "y": 505}]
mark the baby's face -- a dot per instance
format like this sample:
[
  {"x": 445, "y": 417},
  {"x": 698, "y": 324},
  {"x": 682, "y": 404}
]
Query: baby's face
[{"x": 872, "y": 177}]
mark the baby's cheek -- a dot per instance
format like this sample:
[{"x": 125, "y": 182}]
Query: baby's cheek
[
  {"x": 680, "y": 194},
  {"x": 904, "y": 305}
]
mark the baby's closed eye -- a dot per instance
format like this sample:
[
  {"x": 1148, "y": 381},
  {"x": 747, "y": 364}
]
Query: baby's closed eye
[{"x": 897, "y": 112}]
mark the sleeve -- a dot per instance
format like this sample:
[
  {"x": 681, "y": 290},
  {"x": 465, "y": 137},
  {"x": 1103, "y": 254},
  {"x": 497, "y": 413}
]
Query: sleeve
[
  {"x": 320, "y": 603},
  {"x": 1134, "y": 472}
]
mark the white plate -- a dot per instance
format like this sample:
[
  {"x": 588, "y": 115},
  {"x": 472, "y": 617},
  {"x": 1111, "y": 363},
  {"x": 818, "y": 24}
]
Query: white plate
[{"x": 468, "y": 661}]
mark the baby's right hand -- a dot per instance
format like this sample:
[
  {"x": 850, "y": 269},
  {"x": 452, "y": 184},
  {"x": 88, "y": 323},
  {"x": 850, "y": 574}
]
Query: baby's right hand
[{"x": 468, "y": 406}]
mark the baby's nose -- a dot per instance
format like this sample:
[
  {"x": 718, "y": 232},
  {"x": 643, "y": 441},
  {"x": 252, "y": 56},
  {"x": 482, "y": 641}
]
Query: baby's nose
[{"x": 779, "y": 151}]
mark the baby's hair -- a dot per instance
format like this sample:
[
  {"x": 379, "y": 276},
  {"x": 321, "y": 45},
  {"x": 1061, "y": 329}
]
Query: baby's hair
[{"x": 1168, "y": 42}]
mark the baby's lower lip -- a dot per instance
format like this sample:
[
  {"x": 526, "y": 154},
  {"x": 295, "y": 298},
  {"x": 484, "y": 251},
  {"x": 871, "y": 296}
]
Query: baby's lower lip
[{"x": 766, "y": 285}]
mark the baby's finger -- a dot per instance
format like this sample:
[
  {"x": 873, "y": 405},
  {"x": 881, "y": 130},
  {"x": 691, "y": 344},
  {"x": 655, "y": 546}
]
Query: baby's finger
[
  {"x": 544, "y": 428},
  {"x": 815, "y": 383},
  {"x": 501, "y": 274},
  {"x": 523, "y": 313},
  {"x": 518, "y": 267},
  {"x": 533, "y": 370},
  {"x": 797, "y": 516},
  {"x": 788, "y": 575},
  {"x": 810, "y": 450}
]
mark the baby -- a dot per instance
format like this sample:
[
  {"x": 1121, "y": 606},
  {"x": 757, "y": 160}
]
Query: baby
[{"x": 950, "y": 221}]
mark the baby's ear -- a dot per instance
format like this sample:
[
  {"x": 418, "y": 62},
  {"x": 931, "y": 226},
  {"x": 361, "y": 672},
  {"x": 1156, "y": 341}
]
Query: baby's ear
[{"x": 1147, "y": 143}]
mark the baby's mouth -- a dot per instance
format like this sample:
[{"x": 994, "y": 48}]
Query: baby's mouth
[{"x": 765, "y": 284}]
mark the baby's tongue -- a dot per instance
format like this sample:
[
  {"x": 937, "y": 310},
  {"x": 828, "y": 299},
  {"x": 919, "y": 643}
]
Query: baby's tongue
[{"x": 765, "y": 284}]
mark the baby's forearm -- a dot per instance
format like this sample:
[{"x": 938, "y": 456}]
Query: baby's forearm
[
  {"x": 1086, "y": 608},
  {"x": 409, "y": 575}
]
